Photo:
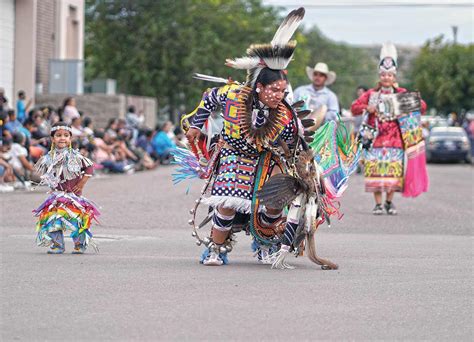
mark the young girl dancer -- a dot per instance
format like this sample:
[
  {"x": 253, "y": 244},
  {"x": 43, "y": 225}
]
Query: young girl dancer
[{"x": 66, "y": 172}]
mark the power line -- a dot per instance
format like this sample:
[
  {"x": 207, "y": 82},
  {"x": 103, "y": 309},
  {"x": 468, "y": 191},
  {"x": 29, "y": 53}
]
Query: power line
[{"x": 373, "y": 4}]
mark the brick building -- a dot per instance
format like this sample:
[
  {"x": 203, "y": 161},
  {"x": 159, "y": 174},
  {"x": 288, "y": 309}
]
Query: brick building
[
  {"x": 42, "y": 53},
  {"x": 34, "y": 33}
]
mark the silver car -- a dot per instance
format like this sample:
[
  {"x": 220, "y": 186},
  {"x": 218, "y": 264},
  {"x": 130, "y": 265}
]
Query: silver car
[{"x": 448, "y": 144}]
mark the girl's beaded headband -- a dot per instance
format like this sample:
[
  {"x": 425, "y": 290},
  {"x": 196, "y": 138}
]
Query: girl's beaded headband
[{"x": 66, "y": 128}]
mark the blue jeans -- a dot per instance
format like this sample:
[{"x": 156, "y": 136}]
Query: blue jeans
[
  {"x": 113, "y": 166},
  {"x": 58, "y": 239}
]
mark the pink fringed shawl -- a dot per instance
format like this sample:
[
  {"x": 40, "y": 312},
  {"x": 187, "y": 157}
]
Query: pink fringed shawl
[{"x": 416, "y": 176}]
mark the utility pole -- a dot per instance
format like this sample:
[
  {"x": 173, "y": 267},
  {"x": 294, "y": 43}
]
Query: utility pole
[{"x": 455, "y": 34}]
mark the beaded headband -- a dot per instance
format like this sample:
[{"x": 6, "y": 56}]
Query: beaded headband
[{"x": 66, "y": 128}]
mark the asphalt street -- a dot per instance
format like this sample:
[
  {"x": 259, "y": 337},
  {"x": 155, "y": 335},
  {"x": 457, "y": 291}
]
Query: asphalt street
[{"x": 407, "y": 277}]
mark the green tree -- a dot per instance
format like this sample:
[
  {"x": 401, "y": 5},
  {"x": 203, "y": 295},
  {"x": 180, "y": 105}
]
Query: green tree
[
  {"x": 443, "y": 73},
  {"x": 152, "y": 47}
]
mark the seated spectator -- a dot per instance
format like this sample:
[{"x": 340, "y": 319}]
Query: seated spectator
[
  {"x": 88, "y": 128},
  {"x": 110, "y": 154},
  {"x": 69, "y": 110},
  {"x": 38, "y": 143},
  {"x": 143, "y": 150},
  {"x": 7, "y": 135},
  {"x": 88, "y": 150},
  {"x": 6, "y": 170},
  {"x": 179, "y": 137},
  {"x": 3, "y": 122},
  {"x": 22, "y": 167},
  {"x": 112, "y": 128},
  {"x": 78, "y": 131},
  {"x": 13, "y": 125},
  {"x": 51, "y": 116},
  {"x": 123, "y": 130},
  {"x": 43, "y": 128},
  {"x": 125, "y": 149},
  {"x": 144, "y": 140},
  {"x": 145, "y": 161},
  {"x": 168, "y": 127},
  {"x": 134, "y": 120},
  {"x": 162, "y": 144}
]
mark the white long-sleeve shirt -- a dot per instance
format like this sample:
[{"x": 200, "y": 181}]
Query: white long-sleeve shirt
[{"x": 314, "y": 99}]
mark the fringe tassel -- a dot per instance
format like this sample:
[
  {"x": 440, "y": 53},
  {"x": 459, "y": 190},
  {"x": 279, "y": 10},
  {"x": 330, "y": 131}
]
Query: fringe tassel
[
  {"x": 238, "y": 204},
  {"x": 311, "y": 252},
  {"x": 280, "y": 259}
]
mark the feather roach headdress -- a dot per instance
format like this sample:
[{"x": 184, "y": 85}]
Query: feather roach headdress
[
  {"x": 276, "y": 55},
  {"x": 388, "y": 58}
]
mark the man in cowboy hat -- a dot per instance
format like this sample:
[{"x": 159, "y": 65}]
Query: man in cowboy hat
[{"x": 317, "y": 95}]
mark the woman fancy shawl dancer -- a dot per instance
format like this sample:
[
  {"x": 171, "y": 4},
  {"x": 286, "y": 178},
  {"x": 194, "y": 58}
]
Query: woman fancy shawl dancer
[{"x": 395, "y": 160}]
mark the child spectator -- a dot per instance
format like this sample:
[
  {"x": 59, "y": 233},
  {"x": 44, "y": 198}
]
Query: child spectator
[{"x": 19, "y": 161}]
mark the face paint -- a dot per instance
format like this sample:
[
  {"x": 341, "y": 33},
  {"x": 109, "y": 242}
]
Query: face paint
[{"x": 272, "y": 94}]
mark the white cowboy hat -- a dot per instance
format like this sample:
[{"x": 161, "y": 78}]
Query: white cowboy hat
[{"x": 323, "y": 69}]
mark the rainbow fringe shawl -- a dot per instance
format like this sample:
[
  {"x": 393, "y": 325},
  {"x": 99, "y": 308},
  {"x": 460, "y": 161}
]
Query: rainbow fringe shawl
[{"x": 65, "y": 211}]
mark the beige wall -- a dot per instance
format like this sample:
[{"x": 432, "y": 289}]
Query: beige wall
[
  {"x": 31, "y": 33},
  {"x": 69, "y": 36},
  {"x": 25, "y": 46},
  {"x": 7, "y": 41},
  {"x": 101, "y": 107}
]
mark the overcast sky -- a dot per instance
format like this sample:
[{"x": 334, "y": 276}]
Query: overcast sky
[{"x": 364, "y": 22}]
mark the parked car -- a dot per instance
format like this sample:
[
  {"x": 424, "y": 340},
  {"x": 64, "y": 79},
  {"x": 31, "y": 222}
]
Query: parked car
[
  {"x": 448, "y": 144},
  {"x": 435, "y": 121}
]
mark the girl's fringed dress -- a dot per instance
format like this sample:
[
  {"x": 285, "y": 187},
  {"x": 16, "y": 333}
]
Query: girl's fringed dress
[{"x": 64, "y": 210}]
